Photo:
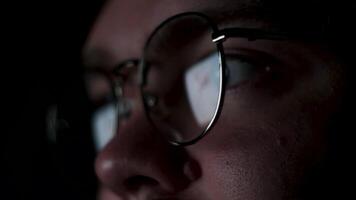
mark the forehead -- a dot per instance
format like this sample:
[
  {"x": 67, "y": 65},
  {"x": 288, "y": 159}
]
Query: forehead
[
  {"x": 124, "y": 25},
  {"x": 131, "y": 11},
  {"x": 143, "y": 12}
]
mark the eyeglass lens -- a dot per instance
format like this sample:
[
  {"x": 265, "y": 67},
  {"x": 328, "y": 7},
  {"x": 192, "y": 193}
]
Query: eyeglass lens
[{"x": 183, "y": 76}]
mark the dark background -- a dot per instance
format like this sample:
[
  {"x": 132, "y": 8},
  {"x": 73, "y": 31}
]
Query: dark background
[{"x": 41, "y": 66}]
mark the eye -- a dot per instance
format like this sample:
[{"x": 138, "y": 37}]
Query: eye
[{"x": 240, "y": 69}]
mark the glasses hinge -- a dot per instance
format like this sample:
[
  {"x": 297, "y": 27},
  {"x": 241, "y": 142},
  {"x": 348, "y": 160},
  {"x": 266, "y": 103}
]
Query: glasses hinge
[{"x": 219, "y": 38}]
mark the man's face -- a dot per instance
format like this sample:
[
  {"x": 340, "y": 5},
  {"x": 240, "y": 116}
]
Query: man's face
[{"x": 271, "y": 131}]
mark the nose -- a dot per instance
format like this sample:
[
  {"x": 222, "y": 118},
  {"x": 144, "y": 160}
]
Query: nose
[{"x": 139, "y": 163}]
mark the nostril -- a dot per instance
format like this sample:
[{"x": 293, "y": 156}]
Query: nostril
[{"x": 134, "y": 183}]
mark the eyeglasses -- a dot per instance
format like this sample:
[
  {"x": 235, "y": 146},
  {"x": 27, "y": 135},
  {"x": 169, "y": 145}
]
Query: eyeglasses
[{"x": 183, "y": 75}]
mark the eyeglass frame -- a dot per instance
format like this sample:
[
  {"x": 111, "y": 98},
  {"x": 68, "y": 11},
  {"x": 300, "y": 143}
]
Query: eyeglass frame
[{"x": 218, "y": 37}]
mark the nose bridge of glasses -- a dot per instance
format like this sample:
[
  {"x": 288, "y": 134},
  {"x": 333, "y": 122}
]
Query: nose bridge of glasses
[
  {"x": 126, "y": 70},
  {"x": 126, "y": 87}
]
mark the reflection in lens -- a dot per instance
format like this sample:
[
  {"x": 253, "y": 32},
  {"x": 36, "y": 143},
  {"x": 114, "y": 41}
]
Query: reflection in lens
[
  {"x": 104, "y": 125},
  {"x": 202, "y": 84}
]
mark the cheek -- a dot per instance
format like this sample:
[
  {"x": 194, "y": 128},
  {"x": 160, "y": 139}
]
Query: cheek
[
  {"x": 259, "y": 149},
  {"x": 242, "y": 168}
]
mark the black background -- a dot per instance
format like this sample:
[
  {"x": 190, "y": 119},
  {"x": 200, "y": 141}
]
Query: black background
[{"x": 41, "y": 45}]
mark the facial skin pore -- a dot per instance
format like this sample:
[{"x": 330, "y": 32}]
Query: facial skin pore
[{"x": 270, "y": 134}]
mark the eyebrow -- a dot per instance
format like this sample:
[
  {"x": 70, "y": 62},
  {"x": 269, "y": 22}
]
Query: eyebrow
[
  {"x": 225, "y": 12},
  {"x": 278, "y": 15}
]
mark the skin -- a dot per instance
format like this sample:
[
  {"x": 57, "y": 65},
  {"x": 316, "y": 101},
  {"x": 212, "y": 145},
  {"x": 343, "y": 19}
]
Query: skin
[{"x": 271, "y": 133}]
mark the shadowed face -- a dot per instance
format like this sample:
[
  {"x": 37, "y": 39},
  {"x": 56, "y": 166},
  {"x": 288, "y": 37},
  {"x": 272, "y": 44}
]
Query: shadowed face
[{"x": 272, "y": 128}]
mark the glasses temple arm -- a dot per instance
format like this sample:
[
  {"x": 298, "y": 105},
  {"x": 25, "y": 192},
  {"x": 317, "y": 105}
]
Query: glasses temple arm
[{"x": 256, "y": 34}]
